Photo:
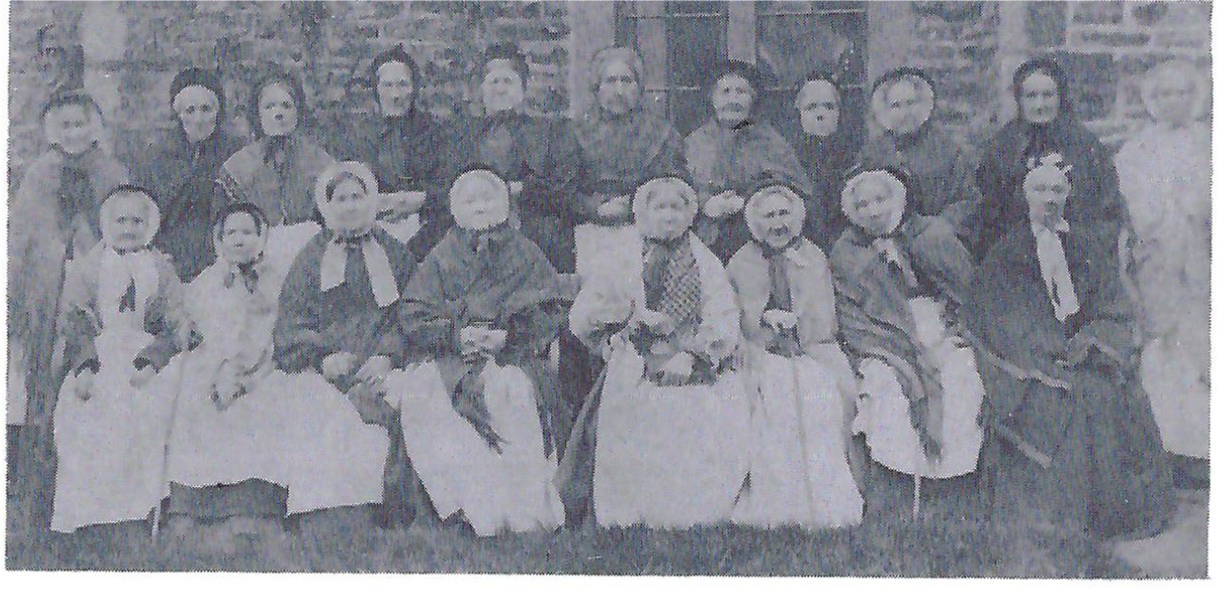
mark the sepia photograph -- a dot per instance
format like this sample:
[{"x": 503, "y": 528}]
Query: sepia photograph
[{"x": 850, "y": 289}]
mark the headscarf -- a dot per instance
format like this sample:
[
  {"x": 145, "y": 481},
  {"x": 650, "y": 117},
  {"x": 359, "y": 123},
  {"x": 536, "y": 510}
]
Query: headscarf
[
  {"x": 1174, "y": 68},
  {"x": 735, "y": 67},
  {"x": 922, "y": 83},
  {"x": 334, "y": 258},
  {"x": 885, "y": 244},
  {"x": 398, "y": 54},
  {"x": 1051, "y": 68},
  {"x": 670, "y": 278},
  {"x": 1050, "y": 252},
  {"x": 509, "y": 52},
  {"x": 779, "y": 279},
  {"x": 489, "y": 180},
  {"x": 649, "y": 189},
  {"x": 293, "y": 86},
  {"x": 608, "y": 55},
  {"x": 194, "y": 76},
  {"x": 246, "y": 272},
  {"x": 129, "y": 278}
]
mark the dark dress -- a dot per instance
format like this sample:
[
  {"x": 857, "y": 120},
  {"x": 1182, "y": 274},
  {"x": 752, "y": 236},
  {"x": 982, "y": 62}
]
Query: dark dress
[
  {"x": 1101, "y": 462},
  {"x": 826, "y": 160}
]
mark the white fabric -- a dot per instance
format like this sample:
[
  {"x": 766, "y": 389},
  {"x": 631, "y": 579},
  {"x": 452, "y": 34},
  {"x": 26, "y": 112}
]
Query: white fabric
[
  {"x": 604, "y": 253},
  {"x": 115, "y": 274},
  {"x": 110, "y": 448},
  {"x": 799, "y": 471},
  {"x": 337, "y": 459},
  {"x": 1054, "y": 269},
  {"x": 375, "y": 260},
  {"x": 1179, "y": 398},
  {"x": 883, "y": 410},
  {"x": 284, "y": 242},
  {"x": 513, "y": 491}
]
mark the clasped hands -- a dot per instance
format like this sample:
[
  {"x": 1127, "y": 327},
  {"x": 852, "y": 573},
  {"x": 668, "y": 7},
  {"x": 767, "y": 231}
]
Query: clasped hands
[
  {"x": 723, "y": 204},
  {"x": 480, "y": 342}
]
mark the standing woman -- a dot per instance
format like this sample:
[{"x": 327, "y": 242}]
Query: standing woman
[
  {"x": 181, "y": 168},
  {"x": 535, "y": 156},
  {"x": 941, "y": 171},
  {"x": 1166, "y": 173},
  {"x": 54, "y": 218},
  {"x": 277, "y": 172},
  {"x": 823, "y": 146},
  {"x": 672, "y": 414},
  {"x": 1045, "y": 124}
]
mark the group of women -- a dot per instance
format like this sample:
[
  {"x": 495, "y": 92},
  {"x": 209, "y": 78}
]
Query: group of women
[{"x": 504, "y": 322}]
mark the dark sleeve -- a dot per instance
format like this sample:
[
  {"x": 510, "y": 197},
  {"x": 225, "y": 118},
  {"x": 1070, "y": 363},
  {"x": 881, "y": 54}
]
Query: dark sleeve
[
  {"x": 428, "y": 319},
  {"x": 165, "y": 320},
  {"x": 299, "y": 343},
  {"x": 1107, "y": 311},
  {"x": 531, "y": 330},
  {"x": 1113, "y": 207},
  {"x": 555, "y": 172},
  {"x": 391, "y": 343}
]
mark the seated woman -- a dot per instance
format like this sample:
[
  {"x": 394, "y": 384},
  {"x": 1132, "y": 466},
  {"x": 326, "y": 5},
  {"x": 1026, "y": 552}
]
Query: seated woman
[
  {"x": 226, "y": 453},
  {"x": 672, "y": 410},
  {"x": 121, "y": 321},
  {"x": 900, "y": 280},
  {"x": 1074, "y": 441},
  {"x": 482, "y": 319},
  {"x": 799, "y": 471},
  {"x": 337, "y": 338}
]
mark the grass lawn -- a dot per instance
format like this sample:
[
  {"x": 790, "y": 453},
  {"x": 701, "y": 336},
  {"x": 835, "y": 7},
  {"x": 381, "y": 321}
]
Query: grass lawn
[{"x": 950, "y": 539}]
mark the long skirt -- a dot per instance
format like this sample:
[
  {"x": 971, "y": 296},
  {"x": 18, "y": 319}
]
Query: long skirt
[
  {"x": 110, "y": 447},
  {"x": 513, "y": 490},
  {"x": 883, "y": 409},
  {"x": 1179, "y": 394},
  {"x": 799, "y": 470},
  {"x": 241, "y": 442},
  {"x": 668, "y": 456},
  {"x": 337, "y": 460}
]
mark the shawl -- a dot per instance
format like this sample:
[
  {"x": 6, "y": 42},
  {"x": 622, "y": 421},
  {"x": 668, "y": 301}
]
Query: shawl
[
  {"x": 811, "y": 291},
  {"x": 182, "y": 177},
  {"x": 621, "y": 153},
  {"x": 872, "y": 303},
  {"x": 284, "y": 190}
]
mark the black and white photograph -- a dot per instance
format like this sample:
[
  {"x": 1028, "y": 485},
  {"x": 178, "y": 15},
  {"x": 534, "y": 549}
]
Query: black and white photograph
[{"x": 849, "y": 289}]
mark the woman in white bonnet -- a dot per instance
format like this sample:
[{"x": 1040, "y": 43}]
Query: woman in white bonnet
[{"x": 1166, "y": 175}]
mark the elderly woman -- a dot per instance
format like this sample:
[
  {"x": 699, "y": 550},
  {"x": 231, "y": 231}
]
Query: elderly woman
[
  {"x": 408, "y": 150},
  {"x": 226, "y": 451},
  {"x": 337, "y": 337},
  {"x": 279, "y": 169},
  {"x": 1166, "y": 174},
  {"x": 473, "y": 416},
  {"x": 805, "y": 387},
  {"x": 821, "y": 142},
  {"x": 672, "y": 410},
  {"x": 733, "y": 154},
  {"x": 1073, "y": 442},
  {"x": 901, "y": 277},
  {"x": 182, "y": 166},
  {"x": 122, "y": 323},
  {"x": 1045, "y": 124},
  {"x": 941, "y": 171},
  {"x": 53, "y": 218},
  {"x": 536, "y": 157}
]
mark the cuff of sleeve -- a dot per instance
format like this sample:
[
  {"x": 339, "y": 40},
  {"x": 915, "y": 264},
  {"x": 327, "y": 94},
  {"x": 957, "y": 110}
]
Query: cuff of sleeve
[{"x": 92, "y": 365}]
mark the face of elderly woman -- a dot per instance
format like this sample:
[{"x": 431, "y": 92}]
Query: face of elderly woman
[
  {"x": 197, "y": 109},
  {"x": 394, "y": 88},
  {"x": 1175, "y": 99},
  {"x": 502, "y": 88},
  {"x": 618, "y": 92},
  {"x": 667, "y": 214},
  {"x": 1046, "y": 191},
  {"x": 875, "y": 208},
  {"x": 732, "y": 99},
  {"x": 908, "y": 106},
  {"x": 479, "y": 204},
  {"x": 126, "y": 223},
  {"x": 71, "y": 128},
  {"x": 277, "y": 110},
  {"x": 819, "y": 108},
  {"x": 350, "y": 208},
  {"x": 1040, "y": 99},
  {"x": 775, "y": 219},
  {"x": 240, "y": 238}
]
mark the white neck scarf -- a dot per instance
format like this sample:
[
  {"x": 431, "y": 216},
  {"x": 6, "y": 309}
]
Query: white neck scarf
[
  {"x": 1054, "y": 269},
  {"x": 375, "y": 260},
  {"x": 889, "y": 251}
]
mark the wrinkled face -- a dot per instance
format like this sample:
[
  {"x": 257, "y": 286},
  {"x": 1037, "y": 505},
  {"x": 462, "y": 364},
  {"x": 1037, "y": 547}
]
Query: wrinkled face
[
  {"x": 667, "y": 213},
  {"x": 478, "y": 205},
  {"x": 240, "y": 239},
  {"x": 875, "y": 208},
  {"x": 776, "y": 221},
  {"x": 350, "y": 208},
  {"x": 908, "y": 108},
  {"x": 71, "y": 128},
  {"x": 819, "y": 108},
  {"x": 126, "y": 224},
  {"x": 394, "y": 89},
  {"x": 732, "y": 99},
  {"x": 619, "y": 91},
  {"x": 1046, "y": 196},
  {"x": 502, "y": 88},
  {"x": 277, "y": 110},
  {"x": 197, "y": 108},
  {"x": 1174, "y": 100},
  {"x": 1040, "y": 99}
]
